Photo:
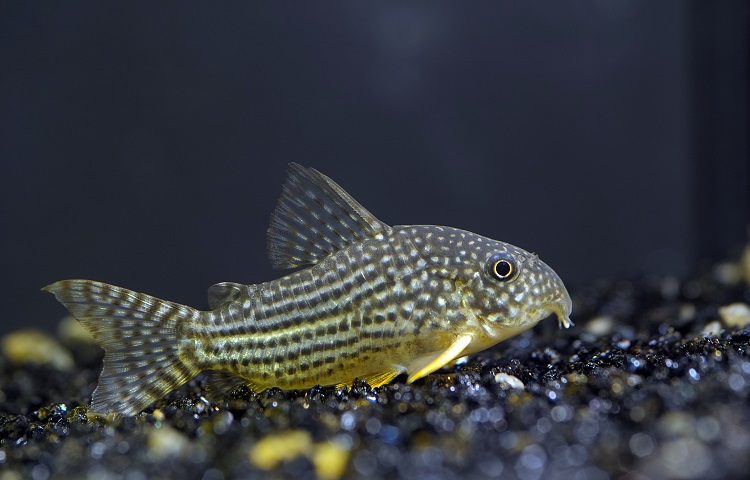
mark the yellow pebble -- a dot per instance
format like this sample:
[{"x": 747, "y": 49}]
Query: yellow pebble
[
  {"x": 577, "y": 378},
  {"x": 735, "y": 315},
  {"x": 35, "y": 346},
  {"x": 330, "y": 460},
  {"x": 70, "y": 330},
  {"x": 276, "y": 448}
]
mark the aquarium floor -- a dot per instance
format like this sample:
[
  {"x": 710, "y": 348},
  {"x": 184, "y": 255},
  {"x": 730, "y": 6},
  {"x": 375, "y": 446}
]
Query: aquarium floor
[{"x": 648, "y": 384}]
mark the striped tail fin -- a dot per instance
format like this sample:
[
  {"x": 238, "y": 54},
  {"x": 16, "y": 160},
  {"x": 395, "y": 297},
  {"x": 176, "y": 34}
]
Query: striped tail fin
[{"x": 141, "y": 337}]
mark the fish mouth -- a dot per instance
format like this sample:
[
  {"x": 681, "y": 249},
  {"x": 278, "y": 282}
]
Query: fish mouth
[{"x": 561, "y": 307}]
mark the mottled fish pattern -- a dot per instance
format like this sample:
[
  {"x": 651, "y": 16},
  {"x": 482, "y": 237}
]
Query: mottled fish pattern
[{"x": 373, "y": 302}]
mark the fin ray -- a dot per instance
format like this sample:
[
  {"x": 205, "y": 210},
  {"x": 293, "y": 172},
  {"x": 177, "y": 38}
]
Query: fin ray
[
  {"x": 441, "y": 359},
  {"x": 315, "y": 217},
  {"x": 221, "y": 384},
  {"x": 376, "y": 379}
]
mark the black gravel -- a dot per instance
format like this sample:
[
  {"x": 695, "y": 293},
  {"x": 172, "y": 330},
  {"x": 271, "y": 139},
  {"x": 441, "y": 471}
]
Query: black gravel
[{"x": 636, "y": 390}]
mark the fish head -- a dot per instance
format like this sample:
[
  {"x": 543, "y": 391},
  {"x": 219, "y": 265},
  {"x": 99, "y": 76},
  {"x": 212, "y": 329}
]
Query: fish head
[
  {"x": 517, "y": 288},
  {"x": 506, "y": 288},
  {"x": 511, "y": 290}
]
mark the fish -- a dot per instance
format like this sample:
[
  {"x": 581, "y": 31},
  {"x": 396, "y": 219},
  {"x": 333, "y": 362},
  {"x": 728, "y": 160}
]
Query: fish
[{"x": 366, "y": 301}]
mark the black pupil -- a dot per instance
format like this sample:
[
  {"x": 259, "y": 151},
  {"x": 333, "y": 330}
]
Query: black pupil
[{"x": 503, "y": 268}]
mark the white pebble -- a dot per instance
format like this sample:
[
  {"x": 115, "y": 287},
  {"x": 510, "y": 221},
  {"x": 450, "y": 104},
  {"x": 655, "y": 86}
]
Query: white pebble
[
  {"x": 600, "y": 326},
  {"x": 510, "y": 381},
  {"x": 712, "y": 329},
  {"x": 167, "y": 442}
]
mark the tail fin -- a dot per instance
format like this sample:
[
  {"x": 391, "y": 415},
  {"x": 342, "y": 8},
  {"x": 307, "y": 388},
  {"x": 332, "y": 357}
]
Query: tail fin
[{"x": 140, "y": 335}]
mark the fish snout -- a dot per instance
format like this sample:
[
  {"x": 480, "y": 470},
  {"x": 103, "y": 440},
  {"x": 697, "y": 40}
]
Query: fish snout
[{"x": 557, "y": 300}]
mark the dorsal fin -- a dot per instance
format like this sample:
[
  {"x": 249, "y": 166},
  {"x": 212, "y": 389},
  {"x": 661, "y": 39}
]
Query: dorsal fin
[
  {"x": 314, "y": 218},
  {"x": 223, "y": 293}
]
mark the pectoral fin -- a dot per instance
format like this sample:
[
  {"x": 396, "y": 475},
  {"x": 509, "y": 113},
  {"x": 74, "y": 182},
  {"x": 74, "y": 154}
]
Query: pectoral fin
[
  {"x": 377, "y": 379},
  {"x": 432, "y": 364},
  {"x": 221, "y": 384},
  {"x": 223, "y": 293}
]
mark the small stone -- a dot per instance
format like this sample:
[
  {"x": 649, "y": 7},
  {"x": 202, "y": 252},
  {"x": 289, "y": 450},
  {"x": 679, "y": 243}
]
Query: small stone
[
  {"x": 273, "y": 449},
  {"x": 330, "y": 460},
  {"x": 167, "y": 442},
  {"x": 34, "y": 346},
  {"x": 577, "y": 378},
  {"x": 71, "y": 331},
  {"x": 600, "y": 326},
  {"x": 712, "y": 329},
  {"x": 735, "y": 315},
  {"x": 509, "y": 381}
]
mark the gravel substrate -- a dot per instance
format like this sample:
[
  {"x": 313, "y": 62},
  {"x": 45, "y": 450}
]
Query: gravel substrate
[{"x": 653, "y": 382}]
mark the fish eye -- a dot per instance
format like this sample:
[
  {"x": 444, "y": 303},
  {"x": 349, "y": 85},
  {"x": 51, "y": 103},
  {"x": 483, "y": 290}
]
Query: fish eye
[{"x": 501, "y": 266}]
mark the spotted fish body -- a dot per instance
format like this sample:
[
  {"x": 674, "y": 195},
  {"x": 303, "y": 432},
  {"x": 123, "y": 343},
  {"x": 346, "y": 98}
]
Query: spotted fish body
[{"x": 374, "y": 302}]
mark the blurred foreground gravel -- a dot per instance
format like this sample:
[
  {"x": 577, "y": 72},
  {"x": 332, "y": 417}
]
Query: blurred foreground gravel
[{"x": 653, "y": 382}]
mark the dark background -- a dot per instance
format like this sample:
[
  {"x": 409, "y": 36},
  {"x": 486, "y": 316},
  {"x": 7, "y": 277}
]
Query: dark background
[{"x": 144, "y": 144}]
